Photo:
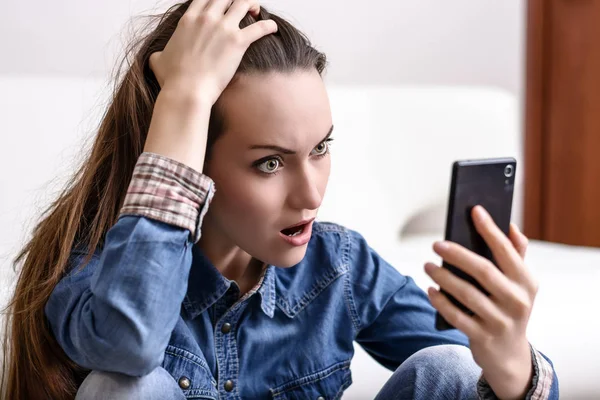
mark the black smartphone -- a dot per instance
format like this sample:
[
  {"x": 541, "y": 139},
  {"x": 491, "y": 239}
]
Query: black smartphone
[{"x": 486, "y": 182}]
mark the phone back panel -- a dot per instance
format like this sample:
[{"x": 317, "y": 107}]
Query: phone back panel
[
  {"x": 483, "y": 182},
  {"x": 480, "y": 182}
]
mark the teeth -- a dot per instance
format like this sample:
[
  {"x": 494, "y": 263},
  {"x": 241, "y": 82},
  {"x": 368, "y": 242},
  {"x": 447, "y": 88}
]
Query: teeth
[{"x": 299, "y": 231}]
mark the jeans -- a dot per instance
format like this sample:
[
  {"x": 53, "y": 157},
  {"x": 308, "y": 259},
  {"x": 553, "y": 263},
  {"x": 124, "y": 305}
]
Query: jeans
[{"x": 437, "y": 372}]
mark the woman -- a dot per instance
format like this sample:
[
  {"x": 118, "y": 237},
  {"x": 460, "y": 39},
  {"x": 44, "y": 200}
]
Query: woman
[{"x": 184, "y": 259}]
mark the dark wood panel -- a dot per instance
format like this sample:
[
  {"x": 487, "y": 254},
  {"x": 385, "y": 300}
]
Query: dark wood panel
[
  {"x": 534, "y": 106},
  {"x": 571, "y": 147}
]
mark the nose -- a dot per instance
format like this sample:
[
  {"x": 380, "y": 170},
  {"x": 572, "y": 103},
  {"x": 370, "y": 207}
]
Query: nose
[{"x": 305, "y": 193}]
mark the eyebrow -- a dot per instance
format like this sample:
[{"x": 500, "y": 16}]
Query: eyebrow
[{"x": 283, "y": 149}]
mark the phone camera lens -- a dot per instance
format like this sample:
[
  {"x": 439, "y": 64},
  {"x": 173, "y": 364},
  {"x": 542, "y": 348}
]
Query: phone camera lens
[{"x": 509, "y": 171}]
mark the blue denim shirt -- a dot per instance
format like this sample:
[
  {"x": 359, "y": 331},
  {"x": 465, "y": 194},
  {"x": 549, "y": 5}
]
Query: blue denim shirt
[{"x": 149, "y": 297}]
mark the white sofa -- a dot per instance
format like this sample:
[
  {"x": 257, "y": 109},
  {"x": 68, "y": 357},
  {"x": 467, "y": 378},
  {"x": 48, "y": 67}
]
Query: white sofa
[{"x": 392, "y": 154}]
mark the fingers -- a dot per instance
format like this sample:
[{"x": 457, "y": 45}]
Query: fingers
[
  {"x": 234, "y": 13},
  {"x": 468, "y": 295},
  {"x": 196, "y": 7},
  {"x": 505, "y": 293},
  {"x": 220, "y": 7},
  {"x": 508, "y": 256},
  {"x": 518, "y": 240},
  {"x": 259, "y": 29},
  {"x": 240, "y": 8},
  {"x": 502, "y": 248},
  {"x": 217, "y": 7},
  {"x": 480, "y": 268},
  {"x": 467, "y": 324}
]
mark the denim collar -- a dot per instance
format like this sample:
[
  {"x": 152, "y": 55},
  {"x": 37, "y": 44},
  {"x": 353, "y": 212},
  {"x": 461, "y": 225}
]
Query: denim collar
[{"x": 206, "y": 285}]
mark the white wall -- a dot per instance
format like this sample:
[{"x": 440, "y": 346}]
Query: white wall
[
  {"x": 425, "y": 41},
  {"x": 379, "y": 41},
  {"x": 459, "y": 42}
]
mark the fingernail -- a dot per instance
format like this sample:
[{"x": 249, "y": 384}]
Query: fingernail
[
  {"x": 429, "y": 268},
  {"x": 480, "y": 213},
  {"x": 441, "y": 246}
]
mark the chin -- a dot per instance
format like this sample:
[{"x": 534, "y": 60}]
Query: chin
[{"x": 287, "y": 259}]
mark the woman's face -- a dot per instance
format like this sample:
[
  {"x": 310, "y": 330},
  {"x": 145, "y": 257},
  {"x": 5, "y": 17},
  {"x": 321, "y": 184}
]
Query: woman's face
[{"x": 271, "y": 165}]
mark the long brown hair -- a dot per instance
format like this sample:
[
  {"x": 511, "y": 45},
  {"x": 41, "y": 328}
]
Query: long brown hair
[{"x": 35, "y": 366}]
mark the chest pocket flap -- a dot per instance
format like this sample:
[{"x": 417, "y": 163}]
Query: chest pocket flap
[
  {"x": 327, "y": 384},
  {"x": 191, "y": 373}
]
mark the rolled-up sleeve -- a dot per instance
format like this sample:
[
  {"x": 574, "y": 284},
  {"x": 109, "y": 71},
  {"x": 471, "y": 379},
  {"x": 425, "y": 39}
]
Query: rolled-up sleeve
[
  {"x": 118, "y": 312},
  {"x": 169, "y": 191}
]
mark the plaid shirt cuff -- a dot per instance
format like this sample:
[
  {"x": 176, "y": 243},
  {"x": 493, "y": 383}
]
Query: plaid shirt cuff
[
  {"x": 543, "y": 374},
  {"x": 169, "y": 191}
]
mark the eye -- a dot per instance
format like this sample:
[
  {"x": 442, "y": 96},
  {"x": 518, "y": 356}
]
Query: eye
[
  {"x": 269, "y": 166},
  {"x": 322, "y": 148}
]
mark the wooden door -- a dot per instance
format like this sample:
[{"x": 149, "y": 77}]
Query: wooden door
[{"x": 562, "y": 122}]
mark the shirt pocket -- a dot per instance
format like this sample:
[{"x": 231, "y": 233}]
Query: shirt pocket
[
  {"x": 191, "y": 373},
  {"x": 326, "y": 384}
]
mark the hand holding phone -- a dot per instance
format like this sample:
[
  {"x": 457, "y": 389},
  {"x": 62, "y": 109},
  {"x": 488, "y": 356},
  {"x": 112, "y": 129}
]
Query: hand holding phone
[
  {"x": 489, "y": 183},
  {"x": 484, "y": 254}
]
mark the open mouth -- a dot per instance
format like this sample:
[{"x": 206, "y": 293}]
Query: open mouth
[
  {"x": 297, "y": 235},
  {"x": 294, "y": 231}
]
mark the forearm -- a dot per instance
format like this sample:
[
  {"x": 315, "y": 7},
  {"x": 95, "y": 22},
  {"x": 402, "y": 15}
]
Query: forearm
[
  {"x": 513, "y": 379},
  {"x": 124, "y": 321},
  {"x": 179, "y": 127}
]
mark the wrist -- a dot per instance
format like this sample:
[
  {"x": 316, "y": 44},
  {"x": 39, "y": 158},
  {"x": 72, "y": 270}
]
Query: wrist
[
  {"x": 513, "y": 377},
  {"x": 183, "y": 91}
]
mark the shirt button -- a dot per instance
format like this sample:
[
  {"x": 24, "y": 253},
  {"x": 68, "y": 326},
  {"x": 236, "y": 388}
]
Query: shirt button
[
  {"x": 226, "y": 327},
  {"x": 229, "y": 385},
  {"x": 184, "y": 382},
  {"x": 320, "y": 398}
]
